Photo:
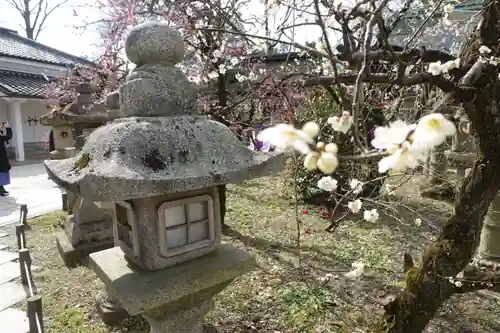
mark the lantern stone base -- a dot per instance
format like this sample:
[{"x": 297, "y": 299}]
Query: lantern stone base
[
  {"x": 80, "y": 238},
  {"x": 174, "y": 299},
  {"x": 68, "y": 201},
  {"x": 110, "y": 311},
  {"x": 73, "y": 255}
]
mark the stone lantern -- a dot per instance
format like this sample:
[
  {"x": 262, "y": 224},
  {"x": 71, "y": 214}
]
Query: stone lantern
[
  {"x": 88, "y": 228},
  {"x": 62, "y": 132},
  {"x": 161, "y": 165}
]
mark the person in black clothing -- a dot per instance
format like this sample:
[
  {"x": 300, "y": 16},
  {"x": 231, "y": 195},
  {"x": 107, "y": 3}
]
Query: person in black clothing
[
  {"x": 52, "y": 147},
  {"x": 5, "y": 136}
]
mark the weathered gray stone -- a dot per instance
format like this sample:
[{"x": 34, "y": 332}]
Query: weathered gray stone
[
  {"x": 463, "y": 151},
  {"x": 489, "y": 246},
  {"x": 463, "y": 141},
  {"x": 438, "y": 165},
  {"x": 155, "y": 91},
  {"x": 154, "y": 43},
  {"x": 146, "y": 253},
  {"x": 109, "y": 309},
  {"x": 162, "y": 166},
  {"x": 175, "y": 288},
  {"x": 140, "y": 157},
  {"x": 87, "y": 230}
]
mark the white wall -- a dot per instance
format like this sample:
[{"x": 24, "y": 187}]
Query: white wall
[
  {"x": 30, "y": 109},
  {"x": 33, "y": 131}
]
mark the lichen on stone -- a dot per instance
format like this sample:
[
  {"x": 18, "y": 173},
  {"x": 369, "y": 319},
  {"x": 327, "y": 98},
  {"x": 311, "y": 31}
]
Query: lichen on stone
[{"x": 82, "y": 161}]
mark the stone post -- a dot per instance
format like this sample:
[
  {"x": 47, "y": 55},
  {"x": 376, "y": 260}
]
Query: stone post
[
  {"x": 438, "y": 166},
  {"x": 489, "y": 246},
  {"x": 161, "y": 165},
  {"x": 463, "y": 151}
]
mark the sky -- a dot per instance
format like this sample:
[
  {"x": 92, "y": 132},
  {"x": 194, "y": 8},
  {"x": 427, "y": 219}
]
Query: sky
[{"x": 60, "y": 31}]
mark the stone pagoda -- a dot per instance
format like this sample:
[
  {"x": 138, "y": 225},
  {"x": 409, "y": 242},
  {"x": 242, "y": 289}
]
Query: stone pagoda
[{"x": 161, "y": 165}]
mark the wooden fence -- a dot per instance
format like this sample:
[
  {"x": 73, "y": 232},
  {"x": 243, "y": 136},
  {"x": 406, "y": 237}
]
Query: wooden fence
[{"x": 34, "y": 311}]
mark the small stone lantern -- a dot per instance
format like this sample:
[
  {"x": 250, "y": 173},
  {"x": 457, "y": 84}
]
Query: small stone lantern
[
  {"x": 88, "y": 228},
  {"x": 62, "y": 132},
  {"x": 161, "y": 165}
]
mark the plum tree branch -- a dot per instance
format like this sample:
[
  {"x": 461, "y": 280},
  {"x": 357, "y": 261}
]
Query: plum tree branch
[{"x": 475, "y": 279}]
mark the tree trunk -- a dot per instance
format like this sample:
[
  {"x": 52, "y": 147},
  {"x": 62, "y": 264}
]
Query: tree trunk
[{"x": 428, "y": 287}]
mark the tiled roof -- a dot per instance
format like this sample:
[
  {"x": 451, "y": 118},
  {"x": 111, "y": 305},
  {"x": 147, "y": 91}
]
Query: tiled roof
[
  {"x": 435, "y": 34},
  {"x": 16, "y": 46},
  {"x": 17, "y": 84}
]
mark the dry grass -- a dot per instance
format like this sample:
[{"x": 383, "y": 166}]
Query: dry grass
[{"x": 284, "y": 294}]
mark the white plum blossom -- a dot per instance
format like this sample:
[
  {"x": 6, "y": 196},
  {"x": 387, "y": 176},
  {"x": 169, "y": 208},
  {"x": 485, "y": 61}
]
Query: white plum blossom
[
  {"x": 448, "y": 9},
  {"x": 234, "y": 61},
  {"x": 216, "y": 55},
  {"x": 325, "y": 159},
  {"x": 331, "y": 148},
  {"x": 389, "y": 189},
  {"x": 355, "y": 206},
  {"x": 320, "y": 46},
  {"x": 341, "y": 124},
  {"x": 435, "y": 68},
  {"x": 406, "y": 157},
  {"x": 327, "y": 277},
  {"x": 328, "y": 184},
  {"x": 449, "y": 65},
  {"x": 327, "y": 163},
  {"x": 432, "y": 130},
  {"x": 357, "y": 271},
  {"x": 371, "y": 215},
  {"x": 311, "y": 161},
  {"x": 356, "y": 186},
  {"x": 484, "y": 49},
  {"x": 222, "y": 69},
  {"x": 213, "y": 75},
  {"x": 457, "y": 283},
  {"x": 386, "y": 137},
  {"x": 239, "y": 77},
  {"x": 311, "y": 128},
  {"x": 409, "y": 145},
  {"x": 286, "y": 136}
]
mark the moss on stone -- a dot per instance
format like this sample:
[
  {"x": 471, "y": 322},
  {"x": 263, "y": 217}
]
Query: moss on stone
[{"x": 82, "y": 161}]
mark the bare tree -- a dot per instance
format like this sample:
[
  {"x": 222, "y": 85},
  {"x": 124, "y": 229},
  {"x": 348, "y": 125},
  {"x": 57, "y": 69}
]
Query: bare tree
[{"x": 35, "y": 14}]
